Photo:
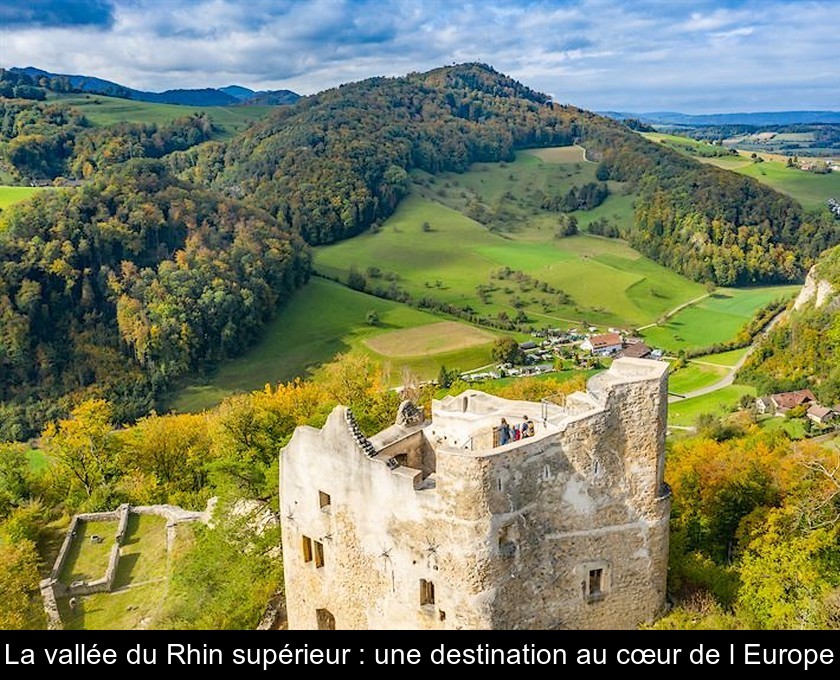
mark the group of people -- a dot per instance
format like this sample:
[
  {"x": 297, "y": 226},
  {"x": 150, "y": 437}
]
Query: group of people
[{"x": 515, "y": 432}]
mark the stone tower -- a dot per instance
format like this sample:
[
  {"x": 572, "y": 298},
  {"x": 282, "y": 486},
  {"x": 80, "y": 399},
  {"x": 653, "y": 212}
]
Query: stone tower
[{"x": 437, "y": 525}]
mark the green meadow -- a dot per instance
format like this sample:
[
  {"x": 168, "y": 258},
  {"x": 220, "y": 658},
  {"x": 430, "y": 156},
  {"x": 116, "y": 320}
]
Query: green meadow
[
  {"x": 102, "y": 111},
  {"x": 607, "y": 281},
  {"x": 685, "y": 412},
  {"x": 140, "y": 585},
  {"x": 321, "y": 320},
  {"x": 812, "y": 190},
  {"x": 694, "y": 147},
  {"x": 715, "y": 319},
  {"x": 11, "y": 195},
  {"x": 729, "y": 358},
  {"x": 694, "y": 377}
]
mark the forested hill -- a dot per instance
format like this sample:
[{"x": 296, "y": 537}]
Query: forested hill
[
  {"x": 803, "y": 350},
  {"x": 335, "y": 163},
  {"x": 120, "y": 286}
]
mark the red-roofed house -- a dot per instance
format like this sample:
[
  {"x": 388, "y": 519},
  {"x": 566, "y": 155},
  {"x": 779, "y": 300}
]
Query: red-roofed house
[
  {"x": 821, "y": 414},
  {"x": 608, "y": 343},
  {"x": 785, "y": 401}
]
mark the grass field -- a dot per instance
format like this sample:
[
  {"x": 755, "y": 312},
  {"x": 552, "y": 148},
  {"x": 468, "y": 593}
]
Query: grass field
[
  {"x": 38, "y": 461},
  {"x": 559, "y": 154},
  {"x": 87, "y": 560},
  {"x": 810, "y": 189},
  {"x": 139, "y": 585},
  {"x": 715, "y": 319},
  {"x": 321, "y": 320},
  {"x": 719, "y": 403},
  {"x": 794, "y": 428},
  {"x": 11, "y": 195},
  {"x": 694, "y": 377},
  {"x": 608, "y": 282},
  {"x": 444, "y": 336},
  {"x": 729, "y": 358},
  {"x": 101, "y": 111},
  {"x": 693, "y": 147}
]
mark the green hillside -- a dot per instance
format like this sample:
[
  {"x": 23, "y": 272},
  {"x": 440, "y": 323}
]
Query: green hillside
[{"x": 103, "y": 111}]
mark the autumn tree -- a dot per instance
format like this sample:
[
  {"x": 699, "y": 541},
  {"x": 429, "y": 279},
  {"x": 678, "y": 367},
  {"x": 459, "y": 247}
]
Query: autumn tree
[{"x": 82, "y": 445}]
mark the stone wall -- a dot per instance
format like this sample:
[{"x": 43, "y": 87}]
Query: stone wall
[
  {"x": 52, "y": 588},
  {"x": 567, "y": 529},
  {"x": 120, "y": 516}
]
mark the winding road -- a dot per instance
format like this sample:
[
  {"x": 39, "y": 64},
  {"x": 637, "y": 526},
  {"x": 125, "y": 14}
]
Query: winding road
[{"x": 729, "y": 378}]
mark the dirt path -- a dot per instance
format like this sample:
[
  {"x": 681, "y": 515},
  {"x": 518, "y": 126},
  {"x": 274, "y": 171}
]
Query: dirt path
[{"x": 668, "y": 315}]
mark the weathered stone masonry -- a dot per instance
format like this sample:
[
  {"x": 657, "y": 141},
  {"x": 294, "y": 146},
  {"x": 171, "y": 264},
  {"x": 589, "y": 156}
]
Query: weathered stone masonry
[{"x": 433, "y": 525}]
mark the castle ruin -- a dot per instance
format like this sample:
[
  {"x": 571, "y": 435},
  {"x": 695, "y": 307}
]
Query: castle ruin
[{"x": 433, "y": 524}]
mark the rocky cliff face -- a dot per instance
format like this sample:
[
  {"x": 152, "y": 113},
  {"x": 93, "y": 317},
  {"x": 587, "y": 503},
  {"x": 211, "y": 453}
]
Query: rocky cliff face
[
  {"x": 817, "y": 289},
  {"x": 802, "y": 350}
]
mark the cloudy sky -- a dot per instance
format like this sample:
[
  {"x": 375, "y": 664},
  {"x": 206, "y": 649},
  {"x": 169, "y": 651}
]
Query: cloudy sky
[{"x": 644, "y": 55}]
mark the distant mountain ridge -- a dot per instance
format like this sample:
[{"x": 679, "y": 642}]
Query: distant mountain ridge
[
  {"x": 226, "y": 96},
  {"x": 757, "y": 118}
]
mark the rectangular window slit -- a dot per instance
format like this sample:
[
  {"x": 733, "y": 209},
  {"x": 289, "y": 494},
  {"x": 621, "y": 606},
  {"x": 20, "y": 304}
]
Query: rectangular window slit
[
  {"x": 427, "y": 592},
  {"x": 324, "y": 500},
  {"x": 595, "y": 582},
  {"x": 307, "y": 549}
]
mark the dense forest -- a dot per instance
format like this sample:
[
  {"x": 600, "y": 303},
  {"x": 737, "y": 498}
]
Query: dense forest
[
  {"x": 336, "y": 163},
  {"x": 753, "y": 530},
  {"x": 803, "y": 350},
  {"x": 120, "y": 286}
]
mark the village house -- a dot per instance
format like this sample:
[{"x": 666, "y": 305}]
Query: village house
[
  {"x": 603, "y": 345},
  {"x": 821, "y": 415},
  {"x": 636, "y": 350},
  {"x": 779, "y": 404}
]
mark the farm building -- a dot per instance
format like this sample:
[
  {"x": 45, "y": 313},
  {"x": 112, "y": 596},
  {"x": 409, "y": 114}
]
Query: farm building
[
  {"x": 782, "y": 402},
  {"x": 636, "y": 350},
  {"x": 606, "y": 344},
  {"x": 821, "y": 415}
]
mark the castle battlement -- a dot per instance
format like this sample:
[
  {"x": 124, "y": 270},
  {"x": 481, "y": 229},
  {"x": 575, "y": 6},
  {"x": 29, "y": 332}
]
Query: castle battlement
[{"x": 440, "y": 523}]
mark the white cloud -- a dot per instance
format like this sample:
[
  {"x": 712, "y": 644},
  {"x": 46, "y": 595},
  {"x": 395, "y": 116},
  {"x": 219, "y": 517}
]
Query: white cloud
[{"x": 594, "y": 53}]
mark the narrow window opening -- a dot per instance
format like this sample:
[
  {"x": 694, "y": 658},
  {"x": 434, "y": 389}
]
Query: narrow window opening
[
  {"x": 427, "y": 592},
  {"x": 319, "y": 554},
  {"x": 324, "y": 500},
  {"x": 326, "y": 621},
  {"x": 507, "y": 541},
  {"x": 596, "y": 582},
  {"x": 442, "y": 615},
  {"x": 307, "y": 549}
]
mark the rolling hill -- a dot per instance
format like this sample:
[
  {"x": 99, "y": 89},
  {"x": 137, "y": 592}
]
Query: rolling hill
[{"x": 207, "y": 96}]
